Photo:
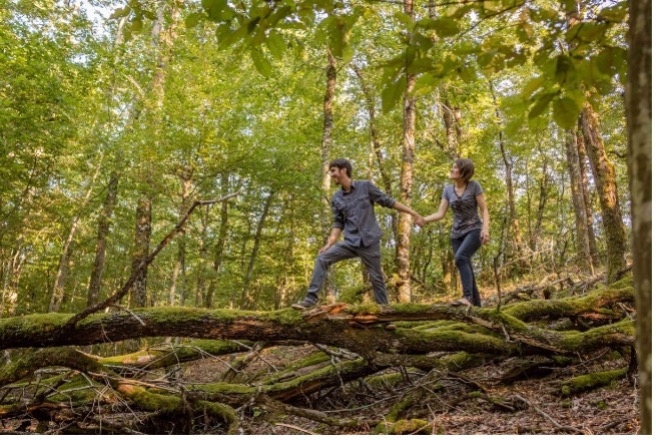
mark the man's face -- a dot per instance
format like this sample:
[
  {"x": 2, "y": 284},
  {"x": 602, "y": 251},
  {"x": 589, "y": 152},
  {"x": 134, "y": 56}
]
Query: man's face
[{"x": 337, "y": 174}]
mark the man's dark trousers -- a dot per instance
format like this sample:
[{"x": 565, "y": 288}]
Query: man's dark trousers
[{"x": 370, "y": 257}]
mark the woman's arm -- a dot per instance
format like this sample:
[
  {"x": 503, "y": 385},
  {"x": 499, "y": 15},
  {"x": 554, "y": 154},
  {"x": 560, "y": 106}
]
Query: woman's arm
[
  {"x": 441, "y": 212},
  {"x": 485, "y": 232}
]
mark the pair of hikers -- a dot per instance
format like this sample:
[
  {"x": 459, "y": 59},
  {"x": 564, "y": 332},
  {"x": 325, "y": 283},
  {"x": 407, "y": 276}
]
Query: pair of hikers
[{"x": 353, "y": 213}]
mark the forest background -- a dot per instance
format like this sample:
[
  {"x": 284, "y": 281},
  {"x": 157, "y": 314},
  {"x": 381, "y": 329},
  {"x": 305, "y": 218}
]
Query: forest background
[{"x": 117, "y": 116}]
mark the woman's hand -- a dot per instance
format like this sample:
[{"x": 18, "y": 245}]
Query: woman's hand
[{"x": 485, "y": 236}]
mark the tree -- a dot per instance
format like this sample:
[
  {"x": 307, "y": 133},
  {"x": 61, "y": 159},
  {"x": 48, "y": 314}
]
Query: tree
[{"x": 639, "y": 125}]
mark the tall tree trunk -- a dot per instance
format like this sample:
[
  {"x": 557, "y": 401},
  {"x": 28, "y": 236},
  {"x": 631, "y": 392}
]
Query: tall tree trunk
[
  {"x": 584, "y": 260},
  {"x": 247, "y": 301},
  {"x": 220, "y": 245},
  {"x": 542, "y": 203},
  {"x": 515, "y": 238},
  {"x": 138, "y": 294},
  {"x": 58, "y": 294},
  {"x": 450, "y": 117},
  {"x": 587, "y": 199},
  {"x": 186, "y": 174},
  {"x": 163, "y": 38},
  {"x": 407, "y": 172},
  {"x": 604, "y": 176},
  {"x": 95, "y": 281},
  {"x": 204, "y": 257},
  {"x": 326, "y": 151},
  {"x": 373, "y": 132},
  {"x": 638, "y": 116}
]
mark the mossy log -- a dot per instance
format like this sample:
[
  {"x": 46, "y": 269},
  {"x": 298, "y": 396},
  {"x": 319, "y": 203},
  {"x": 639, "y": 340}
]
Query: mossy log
[
  {"x": 591, "y": 381},
  {"x": 333, "y": 325}
]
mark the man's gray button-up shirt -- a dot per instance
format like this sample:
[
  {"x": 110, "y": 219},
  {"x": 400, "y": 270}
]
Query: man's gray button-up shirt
[{"x": 354, "y": 212}]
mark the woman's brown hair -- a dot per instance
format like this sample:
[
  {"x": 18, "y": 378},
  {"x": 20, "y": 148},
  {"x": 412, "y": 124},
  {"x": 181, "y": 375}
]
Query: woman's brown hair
[{"x": 466, "y": 167}]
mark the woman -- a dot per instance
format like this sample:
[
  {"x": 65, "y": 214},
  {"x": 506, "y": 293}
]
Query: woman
[{"x": 468, "y": 232}]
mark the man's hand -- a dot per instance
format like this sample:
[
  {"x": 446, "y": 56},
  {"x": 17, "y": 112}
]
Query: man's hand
[
  {"x": 325, "y": 248},
  {"x": 485, "y": 236},
  {"x": 419, "y": 221}
]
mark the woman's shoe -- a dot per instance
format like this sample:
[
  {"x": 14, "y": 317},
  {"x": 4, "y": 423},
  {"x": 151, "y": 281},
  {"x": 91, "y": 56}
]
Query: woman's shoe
[{"x": 461, "y": 302}]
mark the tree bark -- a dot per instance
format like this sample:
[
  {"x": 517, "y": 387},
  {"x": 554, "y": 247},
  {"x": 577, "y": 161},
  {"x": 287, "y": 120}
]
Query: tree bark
[
  {"x": 639, "y": 126},
  {"x": 247, "y": 299},
  {"x": 592, "y": 238},
  {"x": 220, "y": 244},
  {"x": 138, "y": 293},
  {"x": 58, "y": 290},
  {"x": 407, "y": 172},
  {"x": 584, "y": 260},
  {"x": 95, "y": 281},
  {"x": 337, "y": 326},
  {"x": 515, "y": 240},
  {"x": 186, "y": 174},
  {"x": 604, "y": 175}
]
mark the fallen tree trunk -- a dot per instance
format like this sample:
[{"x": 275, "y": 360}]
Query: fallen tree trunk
[{"x": 353, "y": 328}]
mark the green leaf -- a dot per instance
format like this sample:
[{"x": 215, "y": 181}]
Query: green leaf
[
  {"x": 425, "y": 84},
  {"x": 616, "y": 14},
  {"x": 262, "y": 64},
  {"x": 193, "y": 19},
  {"x": 121, "y": 12},
  {"x": 226, "y": 37},
  {"x": 218, "y": 10},
  {"x": 586, "y": 32},
  {"x": 532, "y": 85},
  {"x": 276, "y": 44},
  {"x": 541, "y": 105},
  {"x": 566, "y": 111},
  {"x": 404, "y": 19},
  {"x": 444, "y": 27},
  {"x": 564, "y": 67},
  {"x": 393, "y": 92}
]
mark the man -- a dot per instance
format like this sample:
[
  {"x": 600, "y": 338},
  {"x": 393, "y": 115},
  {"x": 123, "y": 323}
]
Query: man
[{"x": 353, "y": 212}]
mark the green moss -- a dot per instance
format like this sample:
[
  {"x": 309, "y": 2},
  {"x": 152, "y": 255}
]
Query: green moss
[
  {"x": 313, "y": 359},
  {"x": 403, "y": 427},
  {"x": 383, "y": 380},
  {"x": 601, "y": 405},
  {"x": 590, "y": 381},
  {"x": 623, "y": 283}
]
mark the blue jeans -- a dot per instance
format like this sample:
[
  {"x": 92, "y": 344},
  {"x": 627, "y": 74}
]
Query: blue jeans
[
  {"x": 370, "y": 257},
  {"x": 464, "y": 249}
]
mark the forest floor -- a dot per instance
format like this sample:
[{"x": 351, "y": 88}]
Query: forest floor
[{"x": 609, "y": 410}]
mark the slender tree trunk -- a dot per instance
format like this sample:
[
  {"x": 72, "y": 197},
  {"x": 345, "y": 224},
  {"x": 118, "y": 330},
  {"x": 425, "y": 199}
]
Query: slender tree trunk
[
  {"x": 95, "y": 281},
  {"x": 185, "y": 181},
  {"x": 220, "y": 245},
  {"x": 639, "y": 123},
  {"x": 604, "y": 175},
  {"x": 58, "y": 294},
  {"x": 584, "y": 260},
  {"x": 407, "y": 172},
  {"x": 326, "y": 151},
  {"x": 373, "y": 132},
  {"x": 450, "y": 117},
  {"x": 542, "y": 203},
  {"x": 247, "y": 300},
  {"x": 587, "y": 199},
  {"x": 203, "y": 254},
  {"x": 515, "y": 237},
  {"x": 138, "y": 295}
]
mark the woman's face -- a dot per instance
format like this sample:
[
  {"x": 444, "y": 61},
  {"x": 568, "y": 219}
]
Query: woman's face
[{"x": 455, "y": 172}]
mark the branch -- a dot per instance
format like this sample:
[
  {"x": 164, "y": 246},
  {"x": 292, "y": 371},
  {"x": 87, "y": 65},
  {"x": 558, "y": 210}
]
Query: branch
[{"x": 144, "y": 263}]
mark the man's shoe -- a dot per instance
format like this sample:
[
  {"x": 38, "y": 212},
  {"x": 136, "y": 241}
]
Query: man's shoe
[
  {"x": 304, "y": 305},
  {"x": 391, "y": 326},
  {"x": 386, "y": 308}
]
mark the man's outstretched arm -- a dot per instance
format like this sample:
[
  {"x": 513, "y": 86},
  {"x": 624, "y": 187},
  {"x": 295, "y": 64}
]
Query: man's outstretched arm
[{"x": 419, "y": 220}]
